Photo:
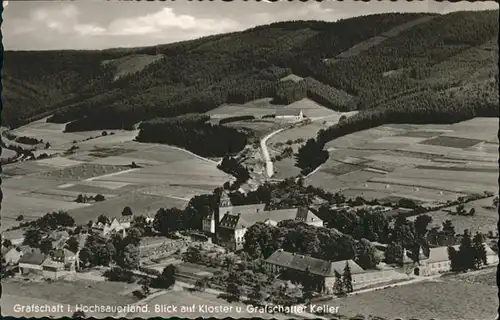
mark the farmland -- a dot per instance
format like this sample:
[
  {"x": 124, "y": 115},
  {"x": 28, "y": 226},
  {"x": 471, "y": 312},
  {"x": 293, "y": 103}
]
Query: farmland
[
  {"x": 439, "y": 299},
  {"x": 428, "y": 163},
  {"x": 164, "y": 177},
  {"x": 485, "y": 219}
]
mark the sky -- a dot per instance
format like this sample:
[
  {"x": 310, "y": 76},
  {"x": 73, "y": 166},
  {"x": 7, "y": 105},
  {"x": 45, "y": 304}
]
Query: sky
[{"x": 99, "y": 24}]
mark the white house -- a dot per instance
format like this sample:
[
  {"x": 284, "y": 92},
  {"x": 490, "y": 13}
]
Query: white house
[
  {"x": 289, "y": 115},
  {"x": 12, "y": 255},
  {"x": 438, "y": 260},
  {"x": 116, "y": 225}
]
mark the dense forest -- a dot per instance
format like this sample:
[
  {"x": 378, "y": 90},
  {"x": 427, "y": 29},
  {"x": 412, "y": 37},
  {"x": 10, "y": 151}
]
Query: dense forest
[
  {"x": 194, "y": 134},
  {"x": 441, "y": 70},
  {"x": 191, "y": 76}
]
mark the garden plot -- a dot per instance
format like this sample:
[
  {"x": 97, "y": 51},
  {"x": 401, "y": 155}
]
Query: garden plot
[
  {"x": 28, "y": 184},
  {"x": 424, "y": 300},
  {"x": 140, "y": 204},
  {"x": 396, "y": 161},
  {"x": 428, "y": 149}
]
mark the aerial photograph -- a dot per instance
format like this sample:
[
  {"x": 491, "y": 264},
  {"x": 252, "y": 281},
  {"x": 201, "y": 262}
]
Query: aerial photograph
[{"x": 245, "y": 159}]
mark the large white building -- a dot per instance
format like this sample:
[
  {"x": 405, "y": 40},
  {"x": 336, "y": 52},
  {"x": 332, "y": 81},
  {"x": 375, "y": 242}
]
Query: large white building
[
  {"x": 230, "y": 223},
  {"x": 438, "y": 260},
  {"x": 289, "y": 115}
]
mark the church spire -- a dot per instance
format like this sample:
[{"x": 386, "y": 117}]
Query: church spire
[{"x": 225, "y": 201}]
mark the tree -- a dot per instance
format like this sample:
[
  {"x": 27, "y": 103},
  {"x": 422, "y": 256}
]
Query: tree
[
  {"x": 366, "y": 257},
  {"x": 20, "y": 217},
  {"x": 460, "y": 209},
  {"x": 80, "y": 198},
  {"x": 133, "y": 236},
  {"x": 32, "y": 237},
  {"x": 167, "y": 278},
  {"x": 193, "y": 255},
  {"x": 495, "y": 202},
  {"x": 201, "y": 284},
  {"x": 141, "y": 224},
  {"x": 7, "y": 243},
  {"x": 130, "y": 257},
  {"x": 394, "y": 253},
  {"x": 466, "y": 252},
  {"x": 448, "y": 228},
  {"x": 454, "y": 260},
  {"x": 102, "y": 219},
  {"x": 347, "y": 278},
  {"x": 421, "y": 224},
  {"x": 127, "y": 211},
  {"x": 72, "y": 244},
  {"x": 339, "y": 286},
  {"x": 99, "y": 198},
  {"x": 479, "y": 250}
]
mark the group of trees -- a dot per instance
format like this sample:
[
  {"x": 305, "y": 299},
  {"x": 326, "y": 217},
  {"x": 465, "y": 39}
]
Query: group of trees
[
  {"x": 36, "y": 235},
  {"x": 231, "y": 166},
  {"x": 471, "y": 253},
  {"x": 193, "y": 134},
  {"x": 122, "y": 251},
  {"x": 261, "y": 240},
  {"x": 191, "y": 217},
  {"x": 83, "y": 198},
  {"x": 343, "y": 283}
]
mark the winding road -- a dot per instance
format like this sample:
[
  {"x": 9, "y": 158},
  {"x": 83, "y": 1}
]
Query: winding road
[{"x": 265, "y": 152}]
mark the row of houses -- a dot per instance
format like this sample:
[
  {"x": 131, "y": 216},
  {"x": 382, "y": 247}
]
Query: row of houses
[
  {"x": 437, "y": 261},
  {"x": 117, "y": 225},
  {"x": 229, "y": 225}
]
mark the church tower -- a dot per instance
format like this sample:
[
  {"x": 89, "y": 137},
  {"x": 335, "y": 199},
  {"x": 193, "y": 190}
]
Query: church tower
[{"x": 225, "y": 201}]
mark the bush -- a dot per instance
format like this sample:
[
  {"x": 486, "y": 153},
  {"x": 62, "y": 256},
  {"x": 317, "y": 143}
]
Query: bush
[{"x": 235, "y": 119}]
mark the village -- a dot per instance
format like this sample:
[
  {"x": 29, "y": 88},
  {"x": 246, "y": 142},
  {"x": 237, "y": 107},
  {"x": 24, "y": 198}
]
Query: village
[
  {"x": 311, "y": 169},
  {"x": 217, "y": 258}
]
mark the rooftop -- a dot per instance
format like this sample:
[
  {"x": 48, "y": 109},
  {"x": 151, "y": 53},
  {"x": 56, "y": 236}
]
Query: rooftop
[
  {"x": 314, "y": 265},
  {"x": 35, "y": 257},
  {"x": 238, "y": 219}
]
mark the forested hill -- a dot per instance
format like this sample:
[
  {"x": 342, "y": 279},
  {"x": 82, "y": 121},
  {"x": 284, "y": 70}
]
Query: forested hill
[{"x": 117, "y": 88}]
